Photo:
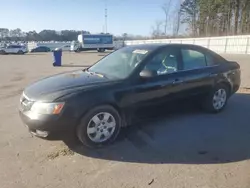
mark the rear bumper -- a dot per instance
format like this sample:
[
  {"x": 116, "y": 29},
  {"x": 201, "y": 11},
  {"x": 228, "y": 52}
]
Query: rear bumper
[
  {"x": 236, "y": 80},
  {"x": 48, "y": 123}
]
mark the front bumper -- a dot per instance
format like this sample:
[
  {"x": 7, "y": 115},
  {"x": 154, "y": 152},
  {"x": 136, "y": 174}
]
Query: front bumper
[{"x": 46, "y": 123}]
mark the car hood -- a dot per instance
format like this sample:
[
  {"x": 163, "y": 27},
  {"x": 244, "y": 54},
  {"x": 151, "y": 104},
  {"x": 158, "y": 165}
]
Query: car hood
[{"x": 53, "y": 87}]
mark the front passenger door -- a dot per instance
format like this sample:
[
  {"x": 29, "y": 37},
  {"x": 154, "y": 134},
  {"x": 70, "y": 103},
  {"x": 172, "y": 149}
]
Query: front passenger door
[{"x": 162, "y": 87}]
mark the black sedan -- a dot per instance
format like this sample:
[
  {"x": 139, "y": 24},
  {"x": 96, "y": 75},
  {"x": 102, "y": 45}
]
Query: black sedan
[
  {"x": 41, "y": 49},
  {"x": 96, "y": 102}
]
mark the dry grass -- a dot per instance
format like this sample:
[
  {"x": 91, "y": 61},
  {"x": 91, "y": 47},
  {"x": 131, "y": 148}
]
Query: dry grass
[
  {"x": 244, "y": 90},
  {"x": 62, "y": 151}
]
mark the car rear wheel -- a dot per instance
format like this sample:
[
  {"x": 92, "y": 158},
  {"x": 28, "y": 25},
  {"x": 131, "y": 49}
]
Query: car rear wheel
[
  {"x": 20, "y": 52},
  {"x": 77, "y": 50},
  {"x": 216, "y": 101},
  {"x": 99, "y": 126}
]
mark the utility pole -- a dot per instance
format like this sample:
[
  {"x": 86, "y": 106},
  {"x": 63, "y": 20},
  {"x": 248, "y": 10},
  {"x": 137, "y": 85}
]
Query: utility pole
[
  {"x": 103, "y": 29},
  {"x": 106, "y": 17}
]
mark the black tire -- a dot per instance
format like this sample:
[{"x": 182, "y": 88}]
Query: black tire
[
  {"x": 2, "y": 52},
  {"x": 208, "y": 104},
  {"x": 101, "y": 50},
  {"x": 77, "y": 50},
  {"x": 81, "y": 130},
  {"x": 20, "y": 52}
]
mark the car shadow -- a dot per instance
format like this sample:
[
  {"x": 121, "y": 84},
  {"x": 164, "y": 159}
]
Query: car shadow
[
  {"x": 183, "y": 135},
  {"x": 95, "y": 52},
  {"x": 37, "y": 53}
]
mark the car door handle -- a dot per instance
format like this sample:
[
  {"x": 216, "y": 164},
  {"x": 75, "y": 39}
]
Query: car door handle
[{"x": 177, "y": 81}]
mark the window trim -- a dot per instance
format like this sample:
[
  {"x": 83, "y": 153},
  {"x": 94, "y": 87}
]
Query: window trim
[{"x": 200, "y": 50}]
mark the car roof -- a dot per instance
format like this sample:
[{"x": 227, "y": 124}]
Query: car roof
[
  {"x": 153, "y": 46},
  {"x": 15, "y": 45}
]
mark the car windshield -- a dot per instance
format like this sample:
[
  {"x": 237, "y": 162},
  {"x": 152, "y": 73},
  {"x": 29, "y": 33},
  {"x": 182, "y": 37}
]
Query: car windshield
[{"x": 119, "y": 64}]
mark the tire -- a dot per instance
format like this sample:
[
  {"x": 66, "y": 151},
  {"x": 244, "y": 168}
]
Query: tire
[
  {"x": 213, "y": 105},
  {"x": 92, "y": 134},
  {"x": 20, "y": 52},
  {"x": 2, "y": 52},
  {"x": 77, "y": 50},
  {"x": 101, "y": 50}
]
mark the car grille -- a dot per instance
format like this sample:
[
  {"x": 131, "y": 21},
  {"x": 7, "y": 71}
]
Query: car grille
[{"x": 25, "y": 103}]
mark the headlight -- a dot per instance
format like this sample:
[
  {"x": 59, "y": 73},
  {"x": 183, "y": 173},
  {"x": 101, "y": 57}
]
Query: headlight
[{"x": 47, "y": 108}]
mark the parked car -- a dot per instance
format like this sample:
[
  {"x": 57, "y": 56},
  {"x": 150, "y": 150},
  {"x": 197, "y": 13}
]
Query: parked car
[
  {"x": 96, "y": 102},
  {"x": 64, "y": 48},
  {"x": 14, "y": 49},
  {"x": 41, "y": 49}
]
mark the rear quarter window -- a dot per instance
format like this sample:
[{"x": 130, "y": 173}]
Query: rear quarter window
[
  {"x": 213, "y": 59},
  {"x": 193, "y": 59},
  {"x": 16, "y": 46}
]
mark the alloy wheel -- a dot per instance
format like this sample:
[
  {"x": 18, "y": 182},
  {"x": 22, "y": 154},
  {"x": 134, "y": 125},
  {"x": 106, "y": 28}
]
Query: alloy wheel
[
  {"x": 219, "y": 99},
  {"x": 101, "y": 127}
]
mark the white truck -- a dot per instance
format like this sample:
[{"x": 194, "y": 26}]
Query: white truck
[{"x": 99, "y": 42}]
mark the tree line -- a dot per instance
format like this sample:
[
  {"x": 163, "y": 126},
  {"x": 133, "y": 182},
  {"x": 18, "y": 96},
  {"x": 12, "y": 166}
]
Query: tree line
[
  {"x": 204, "y": 18},
  {"x": 216, "y": 17},
  {"x": 44, "y": 35},
  {"x": 52, "y": 35}
]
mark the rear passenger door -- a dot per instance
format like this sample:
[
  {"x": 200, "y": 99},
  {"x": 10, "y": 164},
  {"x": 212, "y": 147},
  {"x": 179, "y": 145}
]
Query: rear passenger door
[
  {"x": 16, "y": 48},
  {"x": 198, "y": 73}
]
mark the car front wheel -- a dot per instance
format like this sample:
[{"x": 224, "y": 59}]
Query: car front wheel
[
  {"x": 2, "y": 52},
  {"x": 216, "y": 101},
  {"x": 99, "y": 126}
]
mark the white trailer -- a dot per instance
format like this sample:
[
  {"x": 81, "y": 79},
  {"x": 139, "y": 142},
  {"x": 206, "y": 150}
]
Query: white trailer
[{"x": 100, "y": 42}]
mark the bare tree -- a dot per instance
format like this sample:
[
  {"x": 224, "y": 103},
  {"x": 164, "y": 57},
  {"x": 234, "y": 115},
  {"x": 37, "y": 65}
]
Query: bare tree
[
  {"x": 177, "y": 19},
  {"x": 166, "y": 9},
  {"x": 156, "y": 33}
]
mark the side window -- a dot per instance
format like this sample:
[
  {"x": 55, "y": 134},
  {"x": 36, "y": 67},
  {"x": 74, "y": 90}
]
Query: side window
[
  {"x": 210, "y": 60},
  {"x": 193, "y": 59},
  {"x": 164, "y": 62}
]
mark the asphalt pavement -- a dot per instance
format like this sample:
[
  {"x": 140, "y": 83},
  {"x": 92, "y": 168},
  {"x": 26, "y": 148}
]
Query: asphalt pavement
[{"x": 178, "y": 148}]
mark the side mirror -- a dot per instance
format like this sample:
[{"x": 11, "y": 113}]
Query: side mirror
[{"x": 147, "y": 73}]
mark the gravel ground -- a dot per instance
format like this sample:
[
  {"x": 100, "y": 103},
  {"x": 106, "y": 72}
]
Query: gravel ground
[{"x": 179, "y": 149}]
